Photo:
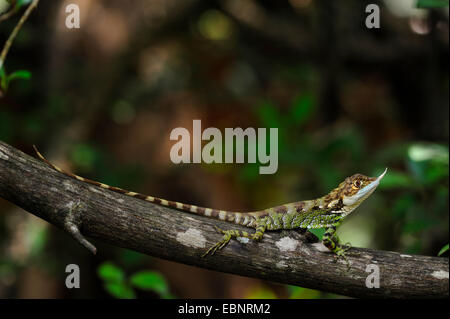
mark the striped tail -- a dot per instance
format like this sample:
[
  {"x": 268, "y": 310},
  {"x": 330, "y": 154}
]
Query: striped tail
[{"x": 245, "y": 219}]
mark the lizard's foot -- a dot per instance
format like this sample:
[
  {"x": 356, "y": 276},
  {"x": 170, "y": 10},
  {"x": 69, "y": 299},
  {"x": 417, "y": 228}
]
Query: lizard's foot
[
  {"x": 347, "y": 247},
  {"x": 219, "y": 245},
  {"x": 228, "y": 234},
  {"x": 341, "y": 251}
]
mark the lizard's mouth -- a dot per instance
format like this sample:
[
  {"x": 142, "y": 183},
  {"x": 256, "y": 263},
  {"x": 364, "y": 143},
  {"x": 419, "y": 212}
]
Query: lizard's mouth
[{"x": 365, "y": 192}]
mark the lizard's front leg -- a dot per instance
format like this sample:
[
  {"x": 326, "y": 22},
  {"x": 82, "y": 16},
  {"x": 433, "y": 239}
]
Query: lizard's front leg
[
  {"x": 331, "y": 241},
  {"x": 229, "y": 234}
]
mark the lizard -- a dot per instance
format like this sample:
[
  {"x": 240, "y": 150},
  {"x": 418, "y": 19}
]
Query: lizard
[{"x": 324, "y": 212}]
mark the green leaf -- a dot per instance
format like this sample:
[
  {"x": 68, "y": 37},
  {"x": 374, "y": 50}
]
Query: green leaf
[
  {"x": 120, "y": 290},
  {"x": 19, "y": 74},
  {"x": 111, "y": 273},
  {"x": 150, "y": 280},
  {"x": 432, "y": 3},
  {"x": 5, "y": 79},
  {"x": 420, "y": 152},
  {"x": 443, "y": 250},
  {"x": 21, "y": 3}
]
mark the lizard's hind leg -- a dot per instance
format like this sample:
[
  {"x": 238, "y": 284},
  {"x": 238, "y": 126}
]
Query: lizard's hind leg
[{"x": 229, "y": 234}]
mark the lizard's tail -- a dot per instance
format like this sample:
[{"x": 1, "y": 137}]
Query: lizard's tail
[{"x": 246, "y": 219}]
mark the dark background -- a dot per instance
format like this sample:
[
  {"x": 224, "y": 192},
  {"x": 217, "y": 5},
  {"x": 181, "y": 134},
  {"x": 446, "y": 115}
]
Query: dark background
[{"x": 103, "y": 99}]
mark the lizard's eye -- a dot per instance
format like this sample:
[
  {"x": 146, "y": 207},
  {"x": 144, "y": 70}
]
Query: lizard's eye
[{"x": 356, "y": 184}]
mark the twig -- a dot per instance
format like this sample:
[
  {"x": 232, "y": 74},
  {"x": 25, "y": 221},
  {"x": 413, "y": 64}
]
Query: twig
[
  {"x": 73, "y": 222},
  {"x": 15, "y": 31},
  {"x": 284, "y": 257}
]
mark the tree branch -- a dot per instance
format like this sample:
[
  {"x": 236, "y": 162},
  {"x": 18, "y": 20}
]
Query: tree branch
[{"x": 284, "y": 257}]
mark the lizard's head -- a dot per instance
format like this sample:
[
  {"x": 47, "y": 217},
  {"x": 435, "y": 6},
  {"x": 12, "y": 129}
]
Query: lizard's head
[{"x": 356, "y": 188}]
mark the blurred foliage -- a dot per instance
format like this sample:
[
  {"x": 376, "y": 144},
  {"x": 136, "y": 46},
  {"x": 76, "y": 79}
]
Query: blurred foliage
[
  {"x": 305, "y": 293},
  {"x": 260, "y": 292},
  {"x": 443, "y": 250},
  {"x": 21, "y": 3},
  {"x": 18, "y": 4},
  {"x": 91, "y": 159},
  {"x": 118, "y": 285},
  {"x": 5, "y": 79},
  {"x": 214, "y": 25},
  {"x": 422, "y": 201},
  {"x": 432, "y": 3}
]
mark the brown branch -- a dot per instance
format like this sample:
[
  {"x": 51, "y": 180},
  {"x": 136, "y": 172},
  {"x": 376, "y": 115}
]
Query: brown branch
[{"x": 284, "y": 257}]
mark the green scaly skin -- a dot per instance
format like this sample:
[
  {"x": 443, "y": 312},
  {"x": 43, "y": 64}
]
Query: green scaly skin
[{"x": 325, "y": 212}]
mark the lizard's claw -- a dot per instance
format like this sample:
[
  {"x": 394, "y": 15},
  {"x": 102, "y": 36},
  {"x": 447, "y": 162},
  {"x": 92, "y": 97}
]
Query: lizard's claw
[
  {"x": 211, "y": 250},
  {"x": 219, "y": 245},
  {"x": 347, "y": 247},
  {"x": 341, "y": 253}
]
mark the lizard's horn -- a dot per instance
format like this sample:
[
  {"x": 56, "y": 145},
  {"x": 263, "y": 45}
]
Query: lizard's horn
[{"x": 382, "y": 175}]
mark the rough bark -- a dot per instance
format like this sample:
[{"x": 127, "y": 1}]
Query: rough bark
[{"x": 284, "y": 257}]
